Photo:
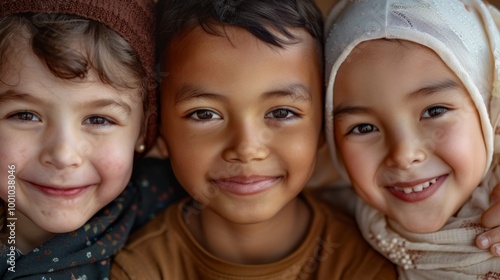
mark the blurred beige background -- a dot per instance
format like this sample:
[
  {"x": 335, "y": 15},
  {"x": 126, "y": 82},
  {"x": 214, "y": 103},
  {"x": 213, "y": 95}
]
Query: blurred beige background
[{"x": 325, "y": 5}]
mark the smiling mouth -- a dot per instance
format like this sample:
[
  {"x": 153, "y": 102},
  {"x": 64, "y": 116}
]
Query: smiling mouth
[
  {"x": 61, "y": 192},
  {"x": 246, "y": 186},
  {"x": 418, "y": 188}
]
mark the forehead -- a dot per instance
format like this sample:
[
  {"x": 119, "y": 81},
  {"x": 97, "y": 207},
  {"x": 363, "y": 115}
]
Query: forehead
[
  {"x": 393, "y": 63},
  {"x": 238, "y": 58}
]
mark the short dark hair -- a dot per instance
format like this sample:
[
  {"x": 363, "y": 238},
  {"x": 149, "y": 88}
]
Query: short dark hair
[{"x": 262, "y": 18}]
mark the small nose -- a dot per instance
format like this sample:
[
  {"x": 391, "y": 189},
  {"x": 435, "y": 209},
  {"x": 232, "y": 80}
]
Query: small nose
[
  {"x": 247, "y": 142},
  {"x": 61, "y": 149},
  {"x": 404, "y": 151}
]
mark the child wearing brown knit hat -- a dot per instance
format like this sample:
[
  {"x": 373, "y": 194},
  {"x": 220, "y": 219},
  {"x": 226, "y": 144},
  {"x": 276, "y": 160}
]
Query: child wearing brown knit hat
[{"x": 77, "y": 103}]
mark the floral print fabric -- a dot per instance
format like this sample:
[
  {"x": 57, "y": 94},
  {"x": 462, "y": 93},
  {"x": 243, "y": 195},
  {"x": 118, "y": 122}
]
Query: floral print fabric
[{"x": 87, "y": 252}]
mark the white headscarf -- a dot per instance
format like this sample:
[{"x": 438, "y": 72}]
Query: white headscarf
[{"x": 465, "y": 35}]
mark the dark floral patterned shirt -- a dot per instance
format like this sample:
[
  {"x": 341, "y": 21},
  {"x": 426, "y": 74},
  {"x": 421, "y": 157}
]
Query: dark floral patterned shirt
[{"x": 86, "y": 254}]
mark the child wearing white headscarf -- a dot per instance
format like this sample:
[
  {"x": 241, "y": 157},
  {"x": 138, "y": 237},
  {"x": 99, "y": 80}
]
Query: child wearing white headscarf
[{"x": 464, "y": 35}]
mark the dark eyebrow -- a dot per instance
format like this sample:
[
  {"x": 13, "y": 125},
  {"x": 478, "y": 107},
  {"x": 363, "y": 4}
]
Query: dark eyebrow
[
  {"x": 445, "y": 85},
  {"x": 18, "y": 96},
  {"x": 349, "y": 110},
  {"x": 425, "y": 91},
  {"x": 189, "y": 91},
  {"x": 295, "y": 91}
]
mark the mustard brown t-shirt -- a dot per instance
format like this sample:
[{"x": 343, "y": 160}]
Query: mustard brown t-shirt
[{"x": 332, "y": 249}]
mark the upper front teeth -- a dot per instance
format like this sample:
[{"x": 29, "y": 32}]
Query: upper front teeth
[{"x": 417, "y": 188}]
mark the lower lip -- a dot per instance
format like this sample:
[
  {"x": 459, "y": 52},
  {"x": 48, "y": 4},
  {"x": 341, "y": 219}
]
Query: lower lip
[
  {"x": 247, "y": 188},
  {"x": 418, "y": 196},
  {"x": 71, "y": 192}
]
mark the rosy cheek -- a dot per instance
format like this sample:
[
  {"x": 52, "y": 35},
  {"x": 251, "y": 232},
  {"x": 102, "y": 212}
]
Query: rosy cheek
[
  {"x": 115, "y": 167},
  {"x": 114, "y": 164},
  {"x": 19, "y": 158}
]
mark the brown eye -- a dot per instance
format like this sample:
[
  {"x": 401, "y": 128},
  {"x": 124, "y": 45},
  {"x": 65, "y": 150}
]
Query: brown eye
[
  {"x": 98, "y": 120},
  {"x": 204, "y": 115},
  {"x": 363, "y": 129},
  {"x": 280, "y": 113},
  {"x": 435, "y": 112},
  {"x": 25, "y": 116}
]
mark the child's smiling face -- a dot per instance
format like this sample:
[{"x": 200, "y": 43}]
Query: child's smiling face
[
  {"x": 242, "y": 120},
  {"x": 408, "y": 133},
  {"x": 72, "y": 142}
]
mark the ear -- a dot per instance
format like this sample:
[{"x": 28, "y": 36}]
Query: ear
[
  {"x": 139, "y": 145},
  {"x": 322, "y": 139},
  {"x": 161, "y": 143},
  {"x": 162, "y": 146},
  {"x": 159, "y": 149}
]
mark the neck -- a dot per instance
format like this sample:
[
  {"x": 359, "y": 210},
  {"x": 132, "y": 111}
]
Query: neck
[
  {"x": 27, "y": 234},
  {"x": 256, "y": 243}
]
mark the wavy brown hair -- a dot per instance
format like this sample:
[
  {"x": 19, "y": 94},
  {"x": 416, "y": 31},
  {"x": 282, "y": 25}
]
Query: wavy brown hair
[{"x": 71, "y": 47}]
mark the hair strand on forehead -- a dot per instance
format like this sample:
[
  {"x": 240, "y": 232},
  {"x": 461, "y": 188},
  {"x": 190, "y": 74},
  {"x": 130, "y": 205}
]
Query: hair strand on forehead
[{"x": 71, "y": 47}]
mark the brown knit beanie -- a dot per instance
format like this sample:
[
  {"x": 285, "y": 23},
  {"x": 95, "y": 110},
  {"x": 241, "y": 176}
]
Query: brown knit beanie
[{"x": 132, "y": 19}]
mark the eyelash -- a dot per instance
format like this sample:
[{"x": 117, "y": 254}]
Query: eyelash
[
  {"x": 195, "y": 115},
  {"x": 441, "y": 111},
  {"x": 107, "y": 121},
  {"x": 351, "y": 131},
  {"x": 290, "y": 114},
  {"x": 26, "y": 116},
  {"x": 22, "y": 116}
]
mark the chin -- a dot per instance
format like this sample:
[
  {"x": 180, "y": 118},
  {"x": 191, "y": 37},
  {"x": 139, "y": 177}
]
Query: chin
[
  {"x": 426, "y": 226},
  {"x": 63, "y": 227}
]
